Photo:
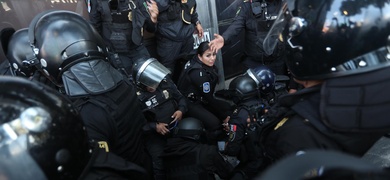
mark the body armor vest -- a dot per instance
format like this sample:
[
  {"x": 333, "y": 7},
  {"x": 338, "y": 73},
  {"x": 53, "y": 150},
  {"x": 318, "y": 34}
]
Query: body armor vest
[
  {"x": 264, "y": 21},
  {"x": 117, "y": 103},
  {"x": 160, "y": 104},
  {"x": 123, "y": 27}
]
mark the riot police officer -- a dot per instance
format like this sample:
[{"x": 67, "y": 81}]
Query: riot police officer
[
  {"x": 162, "y": 104},
  {"x": 18, "y": 49},
  {"x": 121, "y": 23},
  {"x": 197, "y": 82},
  {"x": 177, "y": 22},
  {"x": 256, "y": 17},
  {"x": 46, "y": 131},
  {"x": 332, "y": 46},
  {"x": 19, "y": 54},
  {"x": 79, "y": 67},
  {"x": 186, "y": 158},
  {"x": 247, "y": 92}
]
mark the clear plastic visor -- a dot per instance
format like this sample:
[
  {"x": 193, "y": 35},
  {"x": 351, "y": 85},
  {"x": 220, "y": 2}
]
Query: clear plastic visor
[
  {"x": 152, "y": 73},
  {"x": 275, "y": 33},
  {"x": 16, "y": 162}
]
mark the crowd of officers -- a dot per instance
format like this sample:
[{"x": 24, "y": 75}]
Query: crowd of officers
[{"x": 141, "y": 124}]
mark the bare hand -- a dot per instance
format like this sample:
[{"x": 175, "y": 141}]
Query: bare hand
[
  {"x": 176, "y": 116},
  {"x": 217, "y": 43},
  {"x": 162, "y": 128},
  {"x": 225, "y": 124},
  {"x": 199, "y": 28},
  {"x": 153, "y": 10}
]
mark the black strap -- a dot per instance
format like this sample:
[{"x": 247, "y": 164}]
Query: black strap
[{"x": 106, "y": 10}]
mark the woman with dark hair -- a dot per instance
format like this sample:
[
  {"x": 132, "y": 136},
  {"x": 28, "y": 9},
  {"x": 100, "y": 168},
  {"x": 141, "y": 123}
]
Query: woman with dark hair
[{"x": 197, "y": 82}]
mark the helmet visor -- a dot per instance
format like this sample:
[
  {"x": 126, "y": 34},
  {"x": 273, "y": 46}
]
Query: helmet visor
[
  {"x": 274, "y": 35},
  {"x": 151, "y": 73},
  {"x": 16, "y": 162}
]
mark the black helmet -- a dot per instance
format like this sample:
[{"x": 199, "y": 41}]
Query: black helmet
[
  {"x": 41, "y": 134},
  {"x": 190, "y": 128},
  {"x": 149, "y": 72},
  {"x": 327, "y": 39},
  {"x": 254, "y": 82},
  {"x": 243, "y": 87},
  {"x": 264, "y": 77},
  {"x": 20, "y": 53},
  {"x": 62, "y": 38}
]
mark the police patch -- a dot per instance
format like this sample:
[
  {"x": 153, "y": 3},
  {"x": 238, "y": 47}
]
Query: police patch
[
  {"x": 104, "y": 145},
  {"x": 148, "y": 103},
  {"x": 206, "y": 87},
  {"x": 232, "y": 136},
  {"x": 166, "y": 94}
]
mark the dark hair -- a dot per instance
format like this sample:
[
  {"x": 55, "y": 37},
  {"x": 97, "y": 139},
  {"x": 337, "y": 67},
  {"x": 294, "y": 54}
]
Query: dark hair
[{"x": 203, "y": 46}]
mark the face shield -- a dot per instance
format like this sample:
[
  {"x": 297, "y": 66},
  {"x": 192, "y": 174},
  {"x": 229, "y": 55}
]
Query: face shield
[
  {"x": 150, "y": 73},
  {"x": 283, "y": 19},
  {"x": 326, "y": 39},
  {"x": 15, "y": 137}
]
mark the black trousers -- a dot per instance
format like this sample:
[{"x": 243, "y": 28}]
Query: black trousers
[
  {"x": 211, "y": 123},
  {"x": 155, "y": 145},
  {"x": 169, "y": 51}
]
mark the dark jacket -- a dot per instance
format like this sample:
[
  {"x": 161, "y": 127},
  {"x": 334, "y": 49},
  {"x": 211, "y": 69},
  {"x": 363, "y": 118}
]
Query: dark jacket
[
  {"x": 105, "y": 165},
  {"x": 297, "y": 126},
  {"x": 256, "y": 28},
  {"x": 159, "y": 106},
  {"x": 198, "y": 82},
  {"x": 239, "y": 126},
  {"x": 114, "y": 120},
  {"x": 176, "y": 20}
]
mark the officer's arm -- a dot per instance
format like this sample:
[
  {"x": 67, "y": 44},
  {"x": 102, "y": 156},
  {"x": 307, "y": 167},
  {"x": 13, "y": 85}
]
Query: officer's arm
[
  {"x": 238, "y": 125},
  {"x": 96, "y": 123},
  {"x": 95, "y": 17},
  {"x": 238, "y": 23},
  {"x": 179, "y": 98},
  {"x": 149, "y": 25},
  {"x": 194, "y": 16}
]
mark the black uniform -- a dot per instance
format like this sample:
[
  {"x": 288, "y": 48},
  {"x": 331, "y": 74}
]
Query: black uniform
[
  {"x": 239, "y": 126},
  {"x": 297, "y": 126},
  {"x": 159, "y": 106},
  {"x": 121, "y": 26},
  {"x": 197, "y": 82},
  {"x": 175, "y": 30},
  {"x": 243, "y": 141},
  {"x": 190, "y": 160},
  {"x": 113, "y": 120},
  {"x": 256, "y": 28},
  {"x": 103, "y": 165}
]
